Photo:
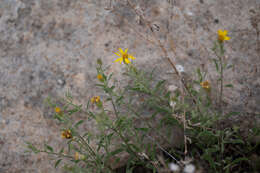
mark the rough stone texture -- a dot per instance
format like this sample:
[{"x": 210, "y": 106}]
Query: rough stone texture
[{"x": 50, "y": 46}]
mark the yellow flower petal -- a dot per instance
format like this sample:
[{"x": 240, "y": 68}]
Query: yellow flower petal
[
  {"x": 117, "y": 54},
  {"x": 121, "y": 51},
  {"x": 57, "y": 110},
  {"x": 124, "y": 56},
  {"x": 130, "y": 56},
  {"x": 127, "y": 61},
  {"x": 222, "y": 35},
  {"x": 119, "y": 59}
]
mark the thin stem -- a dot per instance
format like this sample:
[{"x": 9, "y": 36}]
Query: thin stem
[
  {"x": 221, "y": 57},
  {"x": 161, "y": 148},
  {"x": 126, "y": 142},
  {"x": 184, "y": 128},
  {"x": 165, "y": 54},
  {"x": 221, "y": 83},
  {"x": 58, "y": 154},
  {"x": 117, "y": 132},
  {"x": 148, "y": 124},
  {"x": 87, "y": 145},
  {"x": 93, "y": 153},
  {"x": 114, "y": 107}
]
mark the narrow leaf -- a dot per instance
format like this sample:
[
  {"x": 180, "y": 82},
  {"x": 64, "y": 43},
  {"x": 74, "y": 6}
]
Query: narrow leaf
[
  {"x": 78, "y": 123},
  {"x": 48, "y": 148},
  {"x": 57, "y": 162},
  {"x": 229, "y": 85},
  {"x": 216, "y": 64}
]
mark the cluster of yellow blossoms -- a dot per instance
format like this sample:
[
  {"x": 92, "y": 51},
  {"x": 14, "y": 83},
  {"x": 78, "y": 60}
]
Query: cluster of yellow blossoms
[
  {"x": 205, "y": 85},
  {"x": 95, "y": 99},
  {"x": 66, "y": 134},
  {"x": 57, "y": 110}
]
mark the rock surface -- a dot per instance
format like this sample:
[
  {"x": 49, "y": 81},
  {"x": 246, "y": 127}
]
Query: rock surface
[{"x": 50, "y": 46}]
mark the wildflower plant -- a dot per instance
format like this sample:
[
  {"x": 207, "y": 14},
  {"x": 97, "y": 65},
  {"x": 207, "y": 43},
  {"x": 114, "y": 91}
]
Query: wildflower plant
[
  {"x": 138, "y": 121},
  {"x": 220, "y": 62}
]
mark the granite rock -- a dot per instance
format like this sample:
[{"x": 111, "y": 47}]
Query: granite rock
[{"x": 50, "y": 46}]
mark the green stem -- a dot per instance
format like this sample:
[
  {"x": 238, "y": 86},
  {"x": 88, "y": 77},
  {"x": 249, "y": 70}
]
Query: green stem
[
  {"x": 221, "y": 74},
  {"x": 126, "y": 142},
  {"x": 57, "y": 154},
  {"x": 93, "y": 153},
  {"x": 221, "y": 85}
]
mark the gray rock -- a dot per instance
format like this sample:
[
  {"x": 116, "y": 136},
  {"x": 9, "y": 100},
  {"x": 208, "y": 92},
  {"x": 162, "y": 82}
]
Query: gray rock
[{"x": 50, "y": 46}]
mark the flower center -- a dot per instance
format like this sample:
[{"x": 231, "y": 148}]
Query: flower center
[
  {"x": 125, "y": 56},
  {"x": 221, "y": 37}
]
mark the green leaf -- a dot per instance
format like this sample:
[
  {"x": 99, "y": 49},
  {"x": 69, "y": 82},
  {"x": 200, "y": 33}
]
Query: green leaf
[
  {"x": 236, "y": 161},
  {"x": 110, "y": 76},
  {"x": 48, "y": 147},
  {"x": 167, "y": 95},
  {"x": 76, "y": 109},
  {"x": 78, "y": 123},
  {"x": 112, "y": 87},
  {"x": 216, "y": 64},
  {"x": 119, "y": 99},
  {"x": 151, "y": 74},
  {"x": 199, "y": 75},
  {"x": 210, "y": 159},
  {"x": 229, "y": 85},
  {"x": 69, "y": 145},
  {"x": 87, "y": 105},
  {"x": 143, "y": 129},
  {"x": 159, "y": 84},
  {"x": 115, "y": 152},
  {"x": 232, "y": 114},
  {"x": 33, "y": 148},
  {"x": 235, "y": 141},
  {"x": 57, "y": 163},
  {"x": 61, "y": 151},
  {"x": 208, "y": 137},
  {"x": 100, "y": 85}
]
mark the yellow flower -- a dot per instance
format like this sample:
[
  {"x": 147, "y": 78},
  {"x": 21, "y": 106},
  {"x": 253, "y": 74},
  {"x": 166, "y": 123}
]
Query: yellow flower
[
  {"x": 205, "y": 85},
  {"x": 100, "y": 77},
  {"x": 57, "y": 110},
  {"x": 222, "y": 35},
  {"x": 95, "y": 99},
  {"x": 79, "y": 156},
  {"x": 66, "y": 134},
  {"x": 124, "y": 56}
]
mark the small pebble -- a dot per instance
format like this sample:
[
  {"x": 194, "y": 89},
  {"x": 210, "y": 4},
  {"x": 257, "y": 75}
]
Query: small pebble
[
  {"x": 61, "y": 82},
  {"x": 189, "y": 13}
]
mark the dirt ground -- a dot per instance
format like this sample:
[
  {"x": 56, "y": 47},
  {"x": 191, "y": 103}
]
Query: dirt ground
[{"x": 48, "y": 47}]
